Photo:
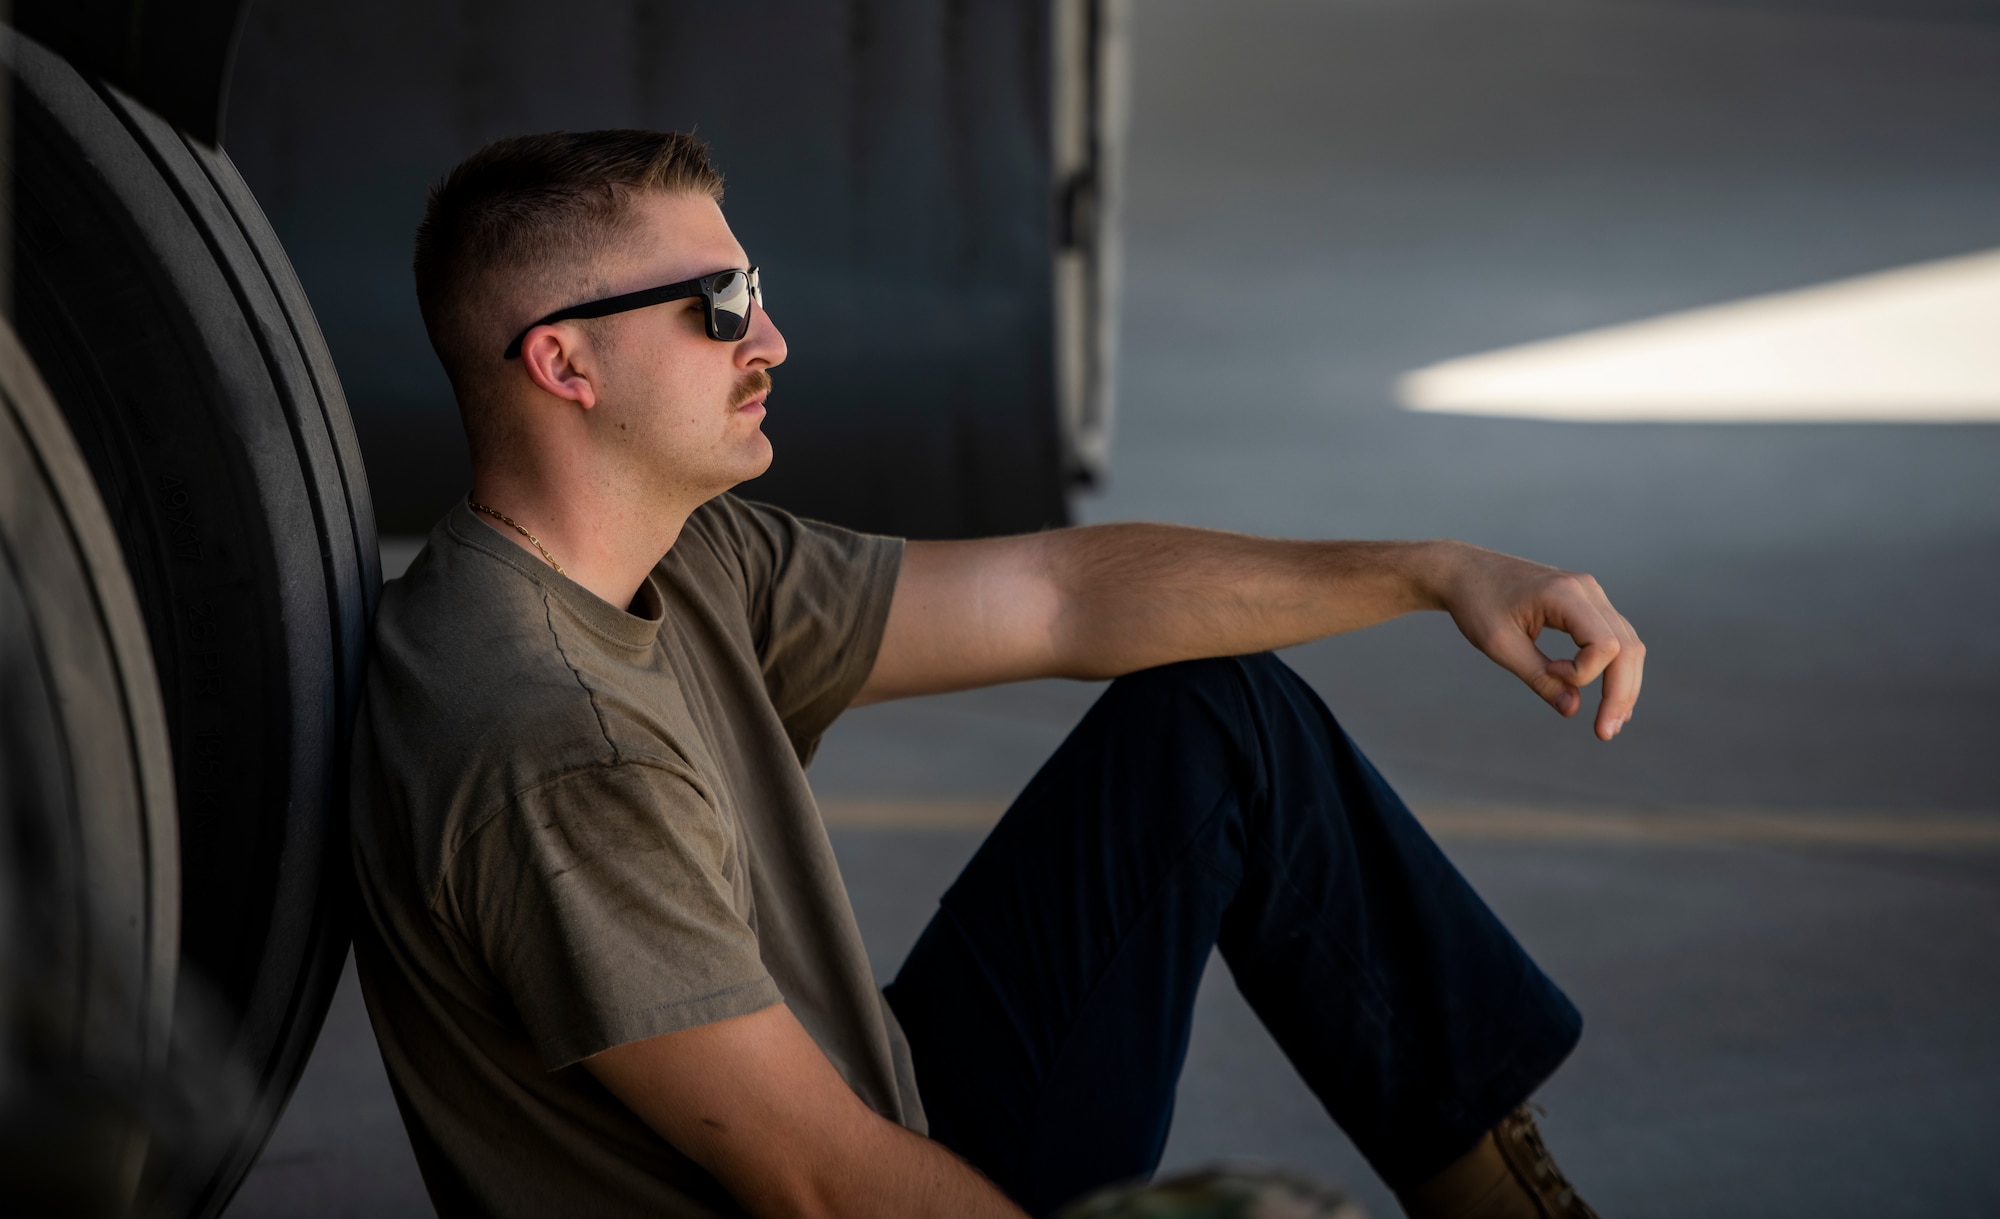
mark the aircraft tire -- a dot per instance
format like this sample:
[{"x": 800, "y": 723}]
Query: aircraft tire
[
  {"x": 155, "y": 299},
  {"x": 89, "y": 877}
]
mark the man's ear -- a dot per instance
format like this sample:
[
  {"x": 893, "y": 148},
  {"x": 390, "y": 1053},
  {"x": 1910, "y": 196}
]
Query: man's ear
[{"x": 559, "y": 359}]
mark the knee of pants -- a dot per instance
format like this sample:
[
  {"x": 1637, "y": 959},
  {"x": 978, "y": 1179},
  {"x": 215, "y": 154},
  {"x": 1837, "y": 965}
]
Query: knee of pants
[
  {"x": 1229, "y": 678},
  {"x": 1242, "y": 693},
  {"x": 1191, "y": 706},
  {"x": 1249, "y": 715},
  {"x": 1191, "y": 723}
]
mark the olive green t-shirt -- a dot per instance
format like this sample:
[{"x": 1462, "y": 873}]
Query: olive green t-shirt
[{"x": 577, "y": 826}]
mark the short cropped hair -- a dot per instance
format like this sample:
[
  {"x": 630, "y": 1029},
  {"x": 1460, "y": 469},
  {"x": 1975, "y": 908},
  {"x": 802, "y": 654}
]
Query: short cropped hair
[{"x": 535, "y": 210}]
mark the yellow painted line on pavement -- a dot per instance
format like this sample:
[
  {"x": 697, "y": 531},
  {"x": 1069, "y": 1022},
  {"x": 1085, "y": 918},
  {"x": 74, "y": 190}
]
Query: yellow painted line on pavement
[
  {"x": 1925, "y": 831},
  {"x": 1906, "y": 831}
]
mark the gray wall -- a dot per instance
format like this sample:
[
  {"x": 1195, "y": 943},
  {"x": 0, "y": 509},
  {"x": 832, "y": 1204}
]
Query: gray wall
[{"x": 888, "y": 168}]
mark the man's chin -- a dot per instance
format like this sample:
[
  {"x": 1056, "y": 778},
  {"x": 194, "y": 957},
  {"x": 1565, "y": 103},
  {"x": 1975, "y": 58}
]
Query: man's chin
[{"x": 756, "y": 458}]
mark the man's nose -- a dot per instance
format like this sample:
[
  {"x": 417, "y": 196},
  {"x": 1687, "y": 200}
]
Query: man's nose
[{"x": 763, "y": 346}]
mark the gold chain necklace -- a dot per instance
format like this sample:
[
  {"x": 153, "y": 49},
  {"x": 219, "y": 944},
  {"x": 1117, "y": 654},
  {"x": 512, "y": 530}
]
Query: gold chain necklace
[{"x": 508, "y": 520}]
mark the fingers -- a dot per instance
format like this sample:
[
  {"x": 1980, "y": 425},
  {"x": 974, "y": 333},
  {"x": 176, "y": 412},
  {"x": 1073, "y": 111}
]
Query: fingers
[
  {"x": 1587, "y": 620},
  {"x": 1608, "y": 648},
  {"x": 1515, "y": 651},
  {"x": 1502, "y": 604},
  {"x": 1567, "y": 606},
  {"x": 1621, "y": 679}
]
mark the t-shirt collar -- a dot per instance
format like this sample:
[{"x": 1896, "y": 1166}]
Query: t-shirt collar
[{"x": 637, "y": 627}]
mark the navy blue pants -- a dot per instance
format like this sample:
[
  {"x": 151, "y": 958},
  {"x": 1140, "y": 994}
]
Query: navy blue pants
[{"x": 1203, "y": 805}]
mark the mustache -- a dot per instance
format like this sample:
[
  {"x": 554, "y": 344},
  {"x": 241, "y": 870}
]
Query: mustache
[{"x": 758, "y": 382}]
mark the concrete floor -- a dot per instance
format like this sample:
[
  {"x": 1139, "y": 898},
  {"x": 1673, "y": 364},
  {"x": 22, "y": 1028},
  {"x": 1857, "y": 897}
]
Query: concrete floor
[{"x": 1323, "y": 196}]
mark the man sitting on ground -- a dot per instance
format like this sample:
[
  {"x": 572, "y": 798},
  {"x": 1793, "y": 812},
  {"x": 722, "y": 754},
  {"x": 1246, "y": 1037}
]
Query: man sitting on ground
[{"x": 607, "y": 951}]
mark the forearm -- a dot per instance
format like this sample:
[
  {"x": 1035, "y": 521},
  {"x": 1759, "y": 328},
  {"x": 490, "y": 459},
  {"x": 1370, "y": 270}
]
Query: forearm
[
  {"x": 1134, "y": 596},
  {"x": 753, "y": 1100},
  {"x": 884, "y": 1172},
  {"x": 1107, "y": 600}
]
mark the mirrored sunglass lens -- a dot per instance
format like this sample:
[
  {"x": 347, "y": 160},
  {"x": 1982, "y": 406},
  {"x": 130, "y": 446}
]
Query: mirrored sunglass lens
[{"x": 731, "y": 302}]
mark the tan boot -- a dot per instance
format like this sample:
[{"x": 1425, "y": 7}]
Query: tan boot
[{"x": 1509, "y": 1174}]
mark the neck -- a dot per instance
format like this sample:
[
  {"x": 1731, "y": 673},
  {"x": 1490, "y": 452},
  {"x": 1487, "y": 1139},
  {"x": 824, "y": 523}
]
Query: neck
[{"x": 602, "y": 541}]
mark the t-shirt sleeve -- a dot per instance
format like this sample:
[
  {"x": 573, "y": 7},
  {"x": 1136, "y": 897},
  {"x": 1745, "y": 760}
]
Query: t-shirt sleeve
[
  {"x": 601, "y": 903},
  {"x": 818, "y": 599}
]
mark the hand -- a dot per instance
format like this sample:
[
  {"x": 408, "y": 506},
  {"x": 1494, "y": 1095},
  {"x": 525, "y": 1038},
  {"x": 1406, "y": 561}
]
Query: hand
[{"x": 1502, "y": 604}]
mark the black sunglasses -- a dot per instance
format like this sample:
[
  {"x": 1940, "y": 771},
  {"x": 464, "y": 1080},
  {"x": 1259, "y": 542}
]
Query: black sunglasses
[{"x": 726, "y": 300}]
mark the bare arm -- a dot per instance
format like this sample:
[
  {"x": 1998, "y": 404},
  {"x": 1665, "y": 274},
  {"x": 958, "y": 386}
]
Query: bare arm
[
  {"x": 755, "y": 1102},
  {"x": 1109, "y": 599}
]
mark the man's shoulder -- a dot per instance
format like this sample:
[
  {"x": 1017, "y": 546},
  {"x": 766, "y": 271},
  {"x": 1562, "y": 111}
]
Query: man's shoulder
[
  {"x": 725, "y": 532},
  {"x": 741, "y": 531},
  {"x": 757, "y": 544}
]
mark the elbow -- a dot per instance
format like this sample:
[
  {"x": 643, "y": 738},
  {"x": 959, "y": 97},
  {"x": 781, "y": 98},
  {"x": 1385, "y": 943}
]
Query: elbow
[
  {"x": 810, "y": 1206},
  {"x": 799, "y": 1191},
  {"x": 819, "y": 1205},
  {"x": 781, "y": 1202},
  {"x": 1066, "y": 639}
]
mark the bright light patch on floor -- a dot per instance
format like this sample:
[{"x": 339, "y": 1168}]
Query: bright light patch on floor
[{"x": 1919, "y": 344}]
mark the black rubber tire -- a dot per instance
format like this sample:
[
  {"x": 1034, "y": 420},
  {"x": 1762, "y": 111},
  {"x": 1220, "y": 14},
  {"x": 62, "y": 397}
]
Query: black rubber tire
[
  {"x": 154, "y": 297},
  {"x": 89, "y": 874}
]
